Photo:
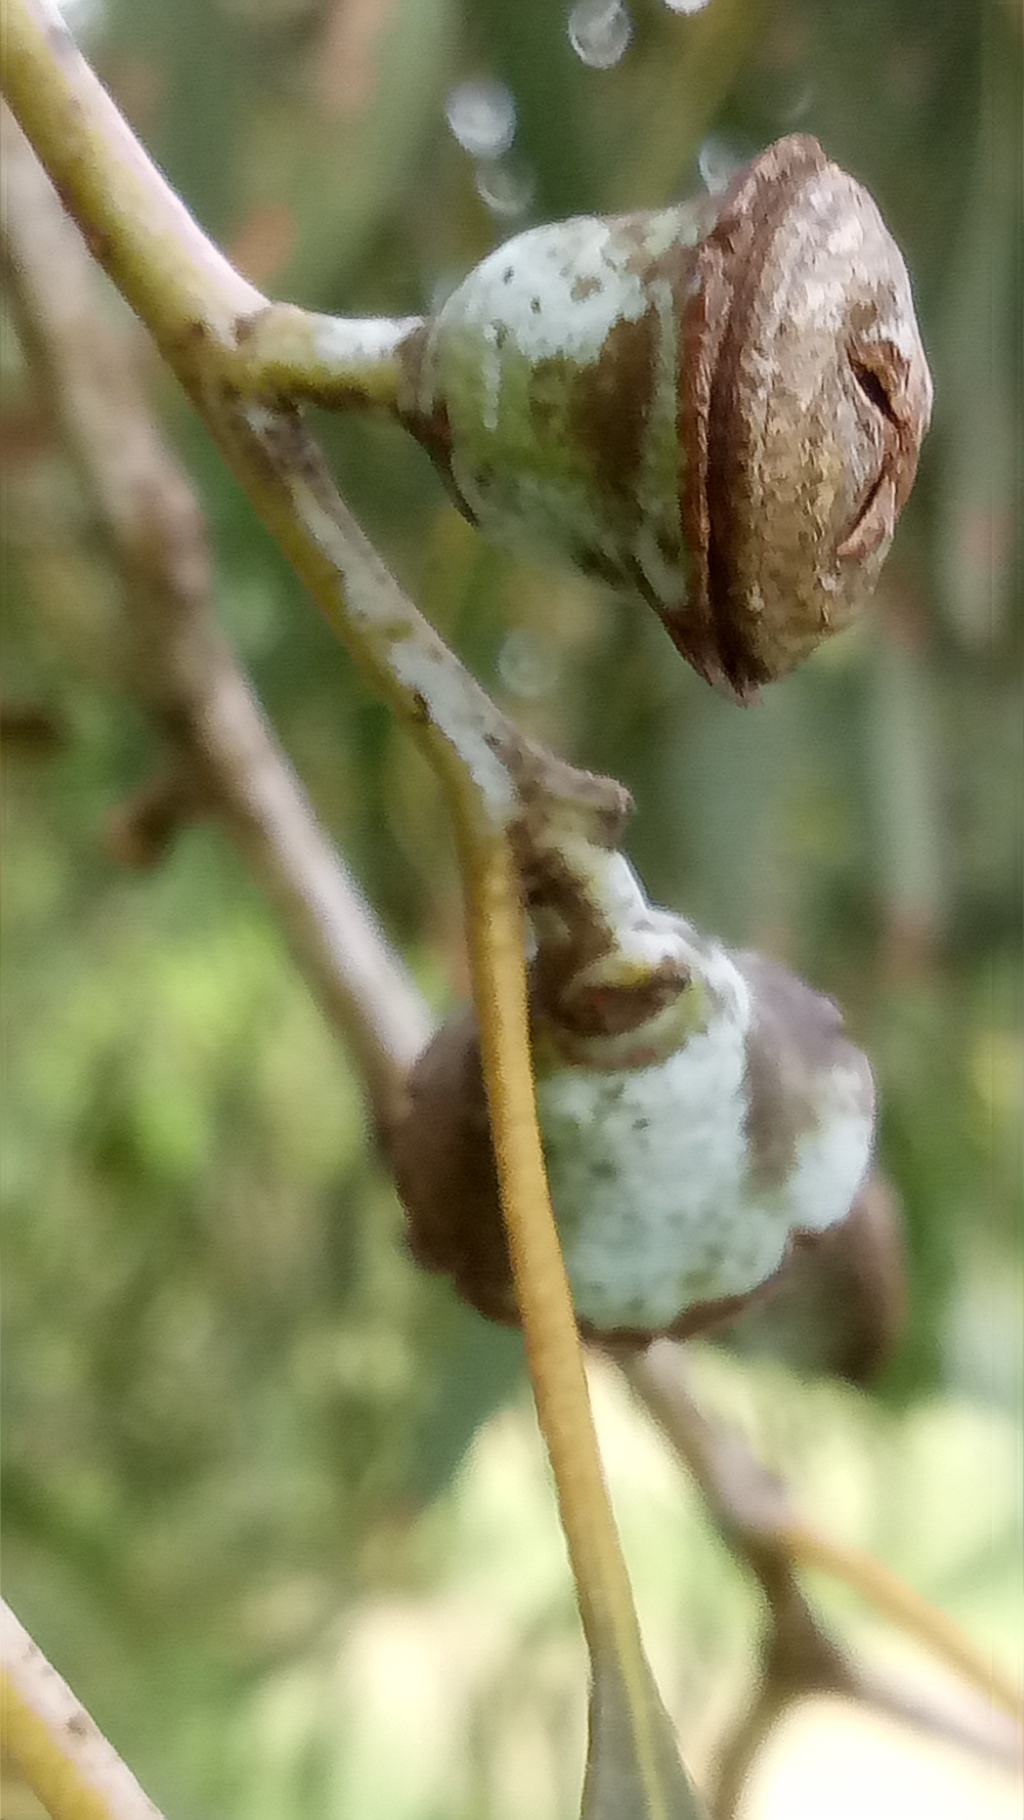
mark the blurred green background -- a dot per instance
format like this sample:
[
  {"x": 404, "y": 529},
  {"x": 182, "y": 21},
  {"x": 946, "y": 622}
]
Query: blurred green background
[{"x": 271, "y": 1499}]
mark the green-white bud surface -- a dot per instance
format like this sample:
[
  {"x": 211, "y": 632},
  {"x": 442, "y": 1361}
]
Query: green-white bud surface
[{"x": 691, "y": 1136}]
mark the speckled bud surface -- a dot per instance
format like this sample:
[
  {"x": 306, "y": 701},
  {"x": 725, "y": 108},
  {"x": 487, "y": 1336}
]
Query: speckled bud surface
[
  {"x": 680, "y": 1175},
  {"x": 715, "y": 407}
]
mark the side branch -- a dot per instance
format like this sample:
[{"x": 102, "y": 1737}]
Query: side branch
[{"x": 755, "y": 1515}]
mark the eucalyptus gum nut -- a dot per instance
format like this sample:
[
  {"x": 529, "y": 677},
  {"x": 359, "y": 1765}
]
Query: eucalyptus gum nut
[
  {"x": 715, "y": 407},
  {"x": 680, "y": 1185}
]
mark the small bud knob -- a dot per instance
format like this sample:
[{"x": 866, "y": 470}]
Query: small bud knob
[{"x": 716, "y": 407}]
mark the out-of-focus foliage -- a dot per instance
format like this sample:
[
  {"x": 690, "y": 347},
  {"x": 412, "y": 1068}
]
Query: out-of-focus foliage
[{"x": 229, "y": 1398}]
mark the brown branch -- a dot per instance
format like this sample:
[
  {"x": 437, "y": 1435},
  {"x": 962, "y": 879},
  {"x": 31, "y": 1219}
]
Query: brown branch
[
  {"x": 167, "y": 650},
  {"x": 756, "y": 1518}
]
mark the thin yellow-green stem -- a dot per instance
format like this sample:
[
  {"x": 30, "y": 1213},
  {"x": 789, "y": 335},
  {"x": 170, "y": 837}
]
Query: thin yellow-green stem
[
  {"x": 52, "y": 1741},
  {"x": 549, "y": 1326}
]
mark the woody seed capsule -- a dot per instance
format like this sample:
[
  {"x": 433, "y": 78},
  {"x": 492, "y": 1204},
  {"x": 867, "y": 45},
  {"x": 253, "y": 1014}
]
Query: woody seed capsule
[{"x": 715, "y": 407}]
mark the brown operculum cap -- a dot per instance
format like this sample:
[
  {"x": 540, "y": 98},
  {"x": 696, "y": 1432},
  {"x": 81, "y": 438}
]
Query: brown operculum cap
[
  {"x": 804, "y": 396},
  {"x": 443, "y": 1162}
]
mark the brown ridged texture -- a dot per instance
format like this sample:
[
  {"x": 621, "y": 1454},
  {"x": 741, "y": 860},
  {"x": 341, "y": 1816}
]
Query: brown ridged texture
[{"x": 804, "y": 396}]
